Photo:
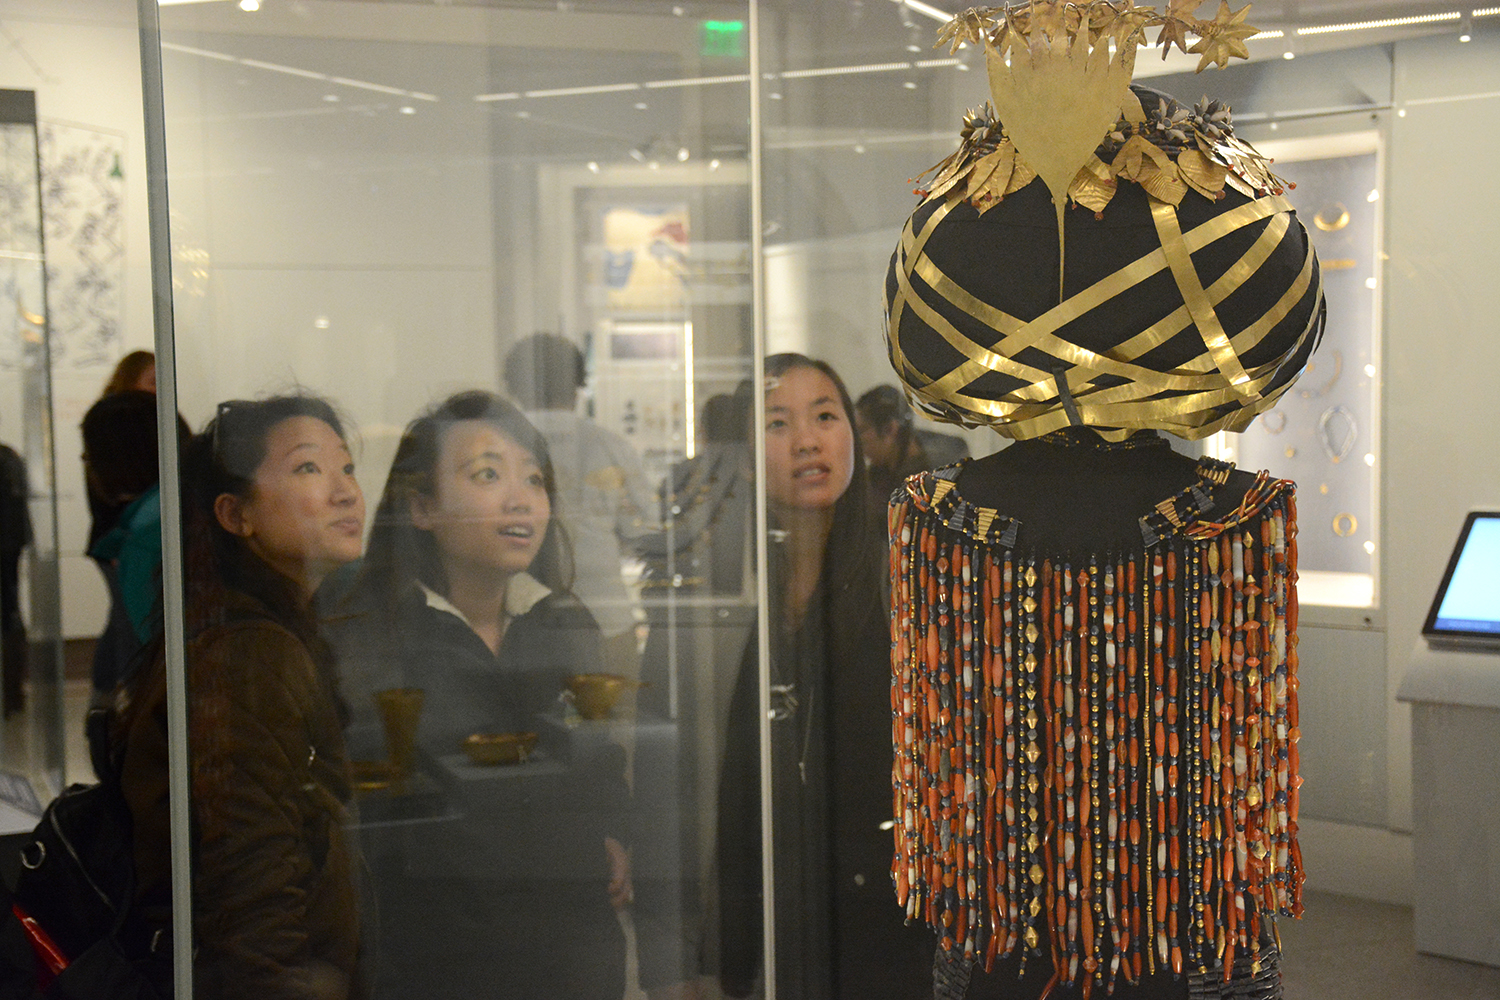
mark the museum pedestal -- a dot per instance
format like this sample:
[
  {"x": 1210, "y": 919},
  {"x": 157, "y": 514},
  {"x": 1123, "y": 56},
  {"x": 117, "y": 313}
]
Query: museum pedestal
[{"x": 1455, "y": 705}]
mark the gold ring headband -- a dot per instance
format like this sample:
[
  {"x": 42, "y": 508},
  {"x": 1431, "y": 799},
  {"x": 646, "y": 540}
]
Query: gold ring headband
[{"x": 1190, "y": 400}]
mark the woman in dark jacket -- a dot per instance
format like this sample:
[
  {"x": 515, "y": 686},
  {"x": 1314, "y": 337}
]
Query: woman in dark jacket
[
  {"x": 839, "y": 930},
  {"x": 464, "y": 594},
  {"x": 271, "y": 506}
]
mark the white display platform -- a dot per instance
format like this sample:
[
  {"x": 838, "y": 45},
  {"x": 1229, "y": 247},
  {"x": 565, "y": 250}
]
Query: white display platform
[{"x": 1455, "y": 706}]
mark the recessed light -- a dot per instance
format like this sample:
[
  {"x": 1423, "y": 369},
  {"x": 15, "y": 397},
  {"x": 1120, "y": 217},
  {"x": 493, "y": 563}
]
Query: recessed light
[
  {"x": 641, "y": 105},
  {"x": 249, "y": 6},
  {"x": 407, "y": 109}
]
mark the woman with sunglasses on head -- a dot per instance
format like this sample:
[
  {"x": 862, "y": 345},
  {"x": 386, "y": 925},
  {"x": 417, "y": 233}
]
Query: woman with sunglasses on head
[
  {"x": 839, "y": 931},
  {"x": 270, "y": 508},
  {"x": 464, "y": 594}
]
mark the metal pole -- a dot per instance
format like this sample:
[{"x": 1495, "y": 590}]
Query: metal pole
[
  {"x": 762, "y": 563},
  {"x": 171, "y": 504}
]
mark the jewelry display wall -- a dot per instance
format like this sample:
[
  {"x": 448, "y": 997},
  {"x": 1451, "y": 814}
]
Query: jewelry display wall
[{"x": 1323, "y": 433}]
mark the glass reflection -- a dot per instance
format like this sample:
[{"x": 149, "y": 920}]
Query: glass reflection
[
  {"x": 465, "y": 596},
  {"x": 837, "y": 930}
]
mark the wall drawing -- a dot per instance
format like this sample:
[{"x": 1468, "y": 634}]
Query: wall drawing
[{"x": 83, "y": 189}]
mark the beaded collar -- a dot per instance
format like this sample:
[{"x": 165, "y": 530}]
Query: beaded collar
[{"x": 1180, "y": 515}]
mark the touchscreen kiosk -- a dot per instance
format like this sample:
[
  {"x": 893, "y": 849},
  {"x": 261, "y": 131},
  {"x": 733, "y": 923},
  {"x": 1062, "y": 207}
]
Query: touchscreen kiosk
[{"x": 1466, "y": 609}]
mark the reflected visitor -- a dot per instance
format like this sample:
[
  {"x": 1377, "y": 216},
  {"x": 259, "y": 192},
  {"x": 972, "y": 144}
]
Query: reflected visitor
[
  {"x": 839, "y": 932},
  {"x": 270, "y": 507},
  {"x": 464, "y": 596},
  {"x": 884, "y": 422},
  {"x": 120, "y": 467},
  {"x": 134, "y": 373},
  {"x": 15, "y": 535},
  {"x": 705, "y": 503},
  {"x": 607, "y": 503}
]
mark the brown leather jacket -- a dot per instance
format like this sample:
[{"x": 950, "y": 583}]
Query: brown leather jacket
[{"x": 275, "y": 905}]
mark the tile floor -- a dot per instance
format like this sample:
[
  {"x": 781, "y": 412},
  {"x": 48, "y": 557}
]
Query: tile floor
[{"x": 1353, "y": 949}]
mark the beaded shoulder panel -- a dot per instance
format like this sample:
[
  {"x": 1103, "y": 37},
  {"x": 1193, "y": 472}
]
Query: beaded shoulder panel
[{"x": 1097, "y": 755}]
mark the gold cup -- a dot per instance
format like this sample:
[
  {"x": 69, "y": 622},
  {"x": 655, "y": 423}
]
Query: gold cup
[
  {"x": 400, "y": 708},
  {"x": 594, "y": 695}
]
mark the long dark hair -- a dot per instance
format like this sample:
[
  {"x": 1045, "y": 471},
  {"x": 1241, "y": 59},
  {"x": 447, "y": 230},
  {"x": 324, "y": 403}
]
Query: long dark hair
[
  {"x": 222, "y": 459},
  {"x": 400, "y": 553},
  {"x": 850, "y": 572}
]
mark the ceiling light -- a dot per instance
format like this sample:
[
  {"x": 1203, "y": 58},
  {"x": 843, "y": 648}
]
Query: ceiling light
[
  {"x": 641, "y": 105},
  {"x": 713, "y": 164},
  {"x": 683, "y": 154},
  {"x": 331, "y": 98},
  {"x": 859, "y": 147},
  {"x": 797, "y": 74},
  {"x": 249, "y": 6},
  {"x": 1466, "y": 28},
  {"x": 593, "y": 167},
  {"x": 606, "y": 88},
  {"x": 407, "y": 109},
  {"x": 1389, "y": 22},
  {"x": 926, "y": 10},
  {"x": 910, "y": 85}
]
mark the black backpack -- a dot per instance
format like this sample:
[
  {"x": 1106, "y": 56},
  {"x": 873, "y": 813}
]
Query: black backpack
[{"x": 73, "y": 900}]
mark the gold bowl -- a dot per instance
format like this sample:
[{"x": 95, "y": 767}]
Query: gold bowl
[
  {"x": 491, "y": 749},
  {"x": 594, "y": 695}
]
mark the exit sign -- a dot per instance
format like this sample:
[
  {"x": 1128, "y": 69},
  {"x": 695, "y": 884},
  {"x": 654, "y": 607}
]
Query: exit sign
[{"x": 723, "y": 38}]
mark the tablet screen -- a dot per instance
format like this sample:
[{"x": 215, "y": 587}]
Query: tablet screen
[{"x": 1467, "y": 605}]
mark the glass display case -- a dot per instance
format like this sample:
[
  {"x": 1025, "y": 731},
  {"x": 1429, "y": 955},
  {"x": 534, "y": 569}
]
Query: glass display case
[{"x": 606, "y": 218}]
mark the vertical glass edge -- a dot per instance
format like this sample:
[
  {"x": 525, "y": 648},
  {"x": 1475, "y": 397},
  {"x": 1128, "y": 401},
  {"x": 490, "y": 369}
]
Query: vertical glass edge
[{"x": 159, "y": 224}]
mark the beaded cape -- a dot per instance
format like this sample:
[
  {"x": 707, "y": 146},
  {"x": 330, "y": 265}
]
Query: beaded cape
[{"x": 1096, "y": 754}]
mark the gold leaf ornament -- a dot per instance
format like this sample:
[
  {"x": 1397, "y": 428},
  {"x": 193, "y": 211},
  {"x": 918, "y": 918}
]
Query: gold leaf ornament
[
  {"x": 1094, "y": 186},
  {"x": 1058, "y": 94},
  {"x": 1201, "y": 174},
  {"x": 1224, "y": 37}
]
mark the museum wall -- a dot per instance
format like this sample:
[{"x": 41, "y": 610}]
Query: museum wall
[{"x": 82, "y": 58}]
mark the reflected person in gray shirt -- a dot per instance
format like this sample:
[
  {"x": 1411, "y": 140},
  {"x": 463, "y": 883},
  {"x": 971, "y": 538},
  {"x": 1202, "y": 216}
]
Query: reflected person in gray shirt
[{"x": 607, "y": 504}]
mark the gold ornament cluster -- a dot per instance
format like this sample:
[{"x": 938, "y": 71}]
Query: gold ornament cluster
[
  {"x": 1057, "y": 71},
  {"x": 1004, "y": 28}
]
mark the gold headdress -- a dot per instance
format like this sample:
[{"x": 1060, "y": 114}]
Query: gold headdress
[{"x": 1185, "y": 300}]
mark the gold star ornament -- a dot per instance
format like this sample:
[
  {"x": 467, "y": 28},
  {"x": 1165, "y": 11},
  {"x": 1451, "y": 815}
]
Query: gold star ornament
[{"x": 1224, "y": 37}]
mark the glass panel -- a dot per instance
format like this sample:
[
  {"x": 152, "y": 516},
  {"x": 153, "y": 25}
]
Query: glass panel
[
  {"x": 30, "y": 613},
  {"x": 513, "y": 245}
]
